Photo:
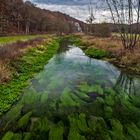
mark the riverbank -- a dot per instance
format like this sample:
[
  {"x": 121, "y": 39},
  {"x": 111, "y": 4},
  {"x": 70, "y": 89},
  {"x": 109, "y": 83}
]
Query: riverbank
[
  {"x": 22, "y": 62},
  {"x": 110, "y": 49}
]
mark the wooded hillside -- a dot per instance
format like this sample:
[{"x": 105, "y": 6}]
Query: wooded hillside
[{"x": 18, "y": 17}]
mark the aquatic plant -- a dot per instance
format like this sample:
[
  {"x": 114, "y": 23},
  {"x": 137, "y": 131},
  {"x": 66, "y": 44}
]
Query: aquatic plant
[
  {"x": 98, "y": 127},
  {"x": 56, "y": 131},
  {"x": 23, "y": 122},
  {"x": 78, "y": 125},
  {"x": 41, "y": 126},
  {"x": 132, "y": 131},
  {"x": 44, "y": 98},
  {"x": 84, "y": 87},
  {"x": 17, "y": 136},
  {"x": 96, "y": 53},
  {"x": 109, "y": 100},
  {"x": 14, "y": 113},
  {"x": 66, "y": 99},
  {"x": 116, "y": 132},
  {"x": 8, "y": 136},
  {"x": 26, "y": 136}
]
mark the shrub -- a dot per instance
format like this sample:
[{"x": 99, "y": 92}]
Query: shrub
[{"x": 102, "y": 30}]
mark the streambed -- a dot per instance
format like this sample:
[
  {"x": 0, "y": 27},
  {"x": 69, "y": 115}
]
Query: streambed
[{"x": 76, "y": 98}]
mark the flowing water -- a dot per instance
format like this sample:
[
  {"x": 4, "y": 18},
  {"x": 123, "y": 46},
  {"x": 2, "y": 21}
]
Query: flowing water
[{"x": 76, "y": 97}]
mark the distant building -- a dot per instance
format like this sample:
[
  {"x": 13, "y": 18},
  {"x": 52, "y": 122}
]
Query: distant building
[{"x": 77, "y": 25}]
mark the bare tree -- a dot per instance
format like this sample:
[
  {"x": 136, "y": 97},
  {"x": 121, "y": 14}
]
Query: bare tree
[
  {"x": 126, "y": 15},
  {"x": 91, "y": 18}
]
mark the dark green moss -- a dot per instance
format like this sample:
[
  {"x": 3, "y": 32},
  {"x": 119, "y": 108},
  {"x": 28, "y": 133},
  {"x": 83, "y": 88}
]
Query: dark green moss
[{"x": 96, "y": 53}]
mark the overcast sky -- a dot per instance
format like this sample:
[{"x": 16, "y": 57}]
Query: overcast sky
[{"x": 75, "y": 8}]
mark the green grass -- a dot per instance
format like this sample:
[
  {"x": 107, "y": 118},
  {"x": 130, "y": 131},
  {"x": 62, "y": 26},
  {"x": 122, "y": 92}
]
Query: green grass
[
  {"x": 28, "y": 65},
  {"x": 12, "y": 39}
]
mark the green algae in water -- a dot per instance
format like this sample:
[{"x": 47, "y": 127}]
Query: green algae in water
[
  {"x": 117, "y": 130},
  {"x": 76, "y": 98},
  {"x": 66, "y": 99},
  {"x": 78, "y": 123},
  {"x": 14, "y": 113},
  {"x": 133, "y": 132},
  {"x": 41, "y": 126},
  {"x": 56, "y": 132},
  {"x": 23, "y": 122},
  {"x": 17, "y": 136},
  {"x": 27, "y": 136},
  {"x": 8, "y": 136}
]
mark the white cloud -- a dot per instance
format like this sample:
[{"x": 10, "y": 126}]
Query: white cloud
[{"x": 77, "y": 11}]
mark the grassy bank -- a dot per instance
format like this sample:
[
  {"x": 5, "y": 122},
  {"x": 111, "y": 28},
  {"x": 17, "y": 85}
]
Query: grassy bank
[
  {"x": 31, "y": 61},
  {"x": 12, "y": 39},
  {"x": 112, "y": 50}
]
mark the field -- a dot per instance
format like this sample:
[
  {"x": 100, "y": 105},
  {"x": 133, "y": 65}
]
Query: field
[{"x": 12, "y": 39}]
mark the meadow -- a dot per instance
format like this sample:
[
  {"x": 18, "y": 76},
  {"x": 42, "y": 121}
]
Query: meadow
[{"x": 12, "y": 39}]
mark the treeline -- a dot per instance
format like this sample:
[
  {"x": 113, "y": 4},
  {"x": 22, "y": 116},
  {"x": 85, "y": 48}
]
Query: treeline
[
  {"x": 106, "y": 29},
  {"x": 21, "y": 17}
]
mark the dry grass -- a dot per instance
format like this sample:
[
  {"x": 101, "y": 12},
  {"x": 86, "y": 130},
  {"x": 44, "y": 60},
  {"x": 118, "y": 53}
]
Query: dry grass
[
  {"x": 10, "y": 52},
  {"x": 114, "y": 46},
  {"x": 5, "y": 73}
]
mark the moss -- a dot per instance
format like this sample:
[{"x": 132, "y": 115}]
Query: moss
[
  {"x": 23, "y": 122},
  {"x": 96, "y": 53},
  {"x": 56, "y": 132},
  {"x": 8, "y": 136}
]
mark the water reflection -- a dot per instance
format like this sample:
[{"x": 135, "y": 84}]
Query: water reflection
[{"x": 126, "y": 83}]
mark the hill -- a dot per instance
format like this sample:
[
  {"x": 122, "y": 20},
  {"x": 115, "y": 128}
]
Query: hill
[{"x": 18, "y": 17}]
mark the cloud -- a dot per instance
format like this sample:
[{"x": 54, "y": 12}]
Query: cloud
[
  {"x": 63, "y": 2},
  {"x": 79, "y": 12},
  {"x": 75, "y": 8}
]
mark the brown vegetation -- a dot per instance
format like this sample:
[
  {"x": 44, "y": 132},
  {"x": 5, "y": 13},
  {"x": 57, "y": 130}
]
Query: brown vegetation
[
  {"x": 5, "y": 73},
  {"x": 118, "y": 55},
  {"x": 10, "y": 52}
]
